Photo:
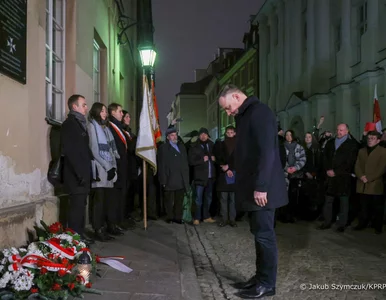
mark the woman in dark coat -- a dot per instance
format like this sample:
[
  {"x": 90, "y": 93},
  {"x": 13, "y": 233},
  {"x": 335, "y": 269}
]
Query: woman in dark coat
[{"x": 310, "y": 186}]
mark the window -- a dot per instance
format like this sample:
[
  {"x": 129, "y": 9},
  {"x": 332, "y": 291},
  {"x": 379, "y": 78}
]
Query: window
[
  {"x": 268, "y": 39},
  {"x": 268, "y": 89},
  {"x": 55, "y": 56},
  {"x": 304, "y": 38},
  {"x": 96, "y": 77},
  {"x": 250, "y": 71},
  {"x": 276, "y": 37},
  {"x": 338, "y": 36},
  {"x": 362, "y": 24}
]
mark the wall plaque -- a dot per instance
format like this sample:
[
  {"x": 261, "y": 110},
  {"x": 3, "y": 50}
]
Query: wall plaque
[{"x": 13, "y": 39}]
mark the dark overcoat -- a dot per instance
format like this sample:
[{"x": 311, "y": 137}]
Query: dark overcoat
[
  {"x": 257, "y": 158},
  {"x": 200, "y": 167},
  {"x": 77, "y": 157},
  {"x": 122, "y": 162},
  {"x": 173, "y": 167},
  {"x": 342, "y": 161},
  {"x": 224, "y": 157}
]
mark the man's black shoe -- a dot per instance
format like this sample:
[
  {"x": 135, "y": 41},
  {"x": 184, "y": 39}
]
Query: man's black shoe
[
  {"x": 233, "y": 224},
  {"x": 121, "y": 227},
  {"x": 246, "y": 284},
  {"x": 100, "y": 236},
  {"x": 358, "y": 228},
  {"x": 87, "y": 240},
  {"x": 323, "y": 227},
  {"x": 340, "y": 229},
  {"x": 113, "y": 230},
  {"x": 256, "y": 292}
]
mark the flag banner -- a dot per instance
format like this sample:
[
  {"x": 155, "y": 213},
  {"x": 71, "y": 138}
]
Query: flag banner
[
  {"x": 377, "y": 112},
  {"x": 157, "y": 128},
  {"x": 146, "y": 145}
]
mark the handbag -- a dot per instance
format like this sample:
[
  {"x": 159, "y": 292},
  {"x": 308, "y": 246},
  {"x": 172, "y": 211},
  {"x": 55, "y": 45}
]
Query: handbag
[{"x": 55, "y": 172}]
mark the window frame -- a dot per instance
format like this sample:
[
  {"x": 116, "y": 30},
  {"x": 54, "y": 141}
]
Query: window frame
[
  {"x": 96, "y": 71},
  {"x": 53, "y": 85}
]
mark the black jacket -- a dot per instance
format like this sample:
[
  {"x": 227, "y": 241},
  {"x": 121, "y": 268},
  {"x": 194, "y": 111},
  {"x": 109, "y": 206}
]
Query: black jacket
[
  {"x": 77, "y": 157},
  {"x": 122, "y": 162},
  {"x": 173, "y": 167},
  {"x": 342, "y": 161},
  {"x": 223, "y": 157},
  {"x": 133, "y": 161},
  {"x": 257, "y": 158},
  {"x": 313, "y": 163},
  {"x": 200, "y": 167}
]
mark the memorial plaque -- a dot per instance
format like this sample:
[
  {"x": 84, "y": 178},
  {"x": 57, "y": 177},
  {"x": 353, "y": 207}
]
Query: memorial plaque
[{"x": 13, "y": 39}]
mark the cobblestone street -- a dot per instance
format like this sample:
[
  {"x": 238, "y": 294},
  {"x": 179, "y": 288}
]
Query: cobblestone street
[{"x": 306, "y": 256}]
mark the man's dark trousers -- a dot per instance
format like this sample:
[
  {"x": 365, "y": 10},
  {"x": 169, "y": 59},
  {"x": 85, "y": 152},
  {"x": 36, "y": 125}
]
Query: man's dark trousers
[
  {"x": 261, "y": 223},
  {"x": 77, "y": 212}
]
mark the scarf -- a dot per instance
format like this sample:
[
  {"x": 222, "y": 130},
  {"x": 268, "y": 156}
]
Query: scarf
[
  {"x": 340, "y": 141},
  {"x": 117, "y": 127},
  {"x": 291, "y": 158},
  {"x": 309, "y": 145},
  {"x": 105, "y": 141},
  {"x": 205, "y": 147},
  {"x": 230, "y": 144},
  {"x": 81, "y": 118}
]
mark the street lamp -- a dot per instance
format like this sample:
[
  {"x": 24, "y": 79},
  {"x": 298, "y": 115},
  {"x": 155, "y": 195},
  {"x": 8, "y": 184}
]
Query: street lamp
[{"x": 148, "y": 55}]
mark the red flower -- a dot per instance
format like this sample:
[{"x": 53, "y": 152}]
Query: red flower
[
  {"x": 62, "y": 273},
  {"x": 71, "y": 286},
  {"x": 56, "y": 227},
  {"x": 65, "y": 261},
  {"x": 79, "y": 278},
  {"x": 56, "y": 287},
  {"x": 51, "y": 256},
  {"x": 89, "y": 285},
  {"x": 43, "y": 271},
  {"x": 34, "y": 290}
]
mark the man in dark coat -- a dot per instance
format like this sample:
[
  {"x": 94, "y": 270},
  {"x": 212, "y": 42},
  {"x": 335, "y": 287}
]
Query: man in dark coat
[
  {"x": 77, "y": 162},
  {"x": 226, "y": 176},
  {"x": 201, "y": 158},
  {"x": 260, "y": 183},
  {"x": 173, "y": 174},
  {"x": 117, "y": 201},
  {"x": 339, "y": 159}
]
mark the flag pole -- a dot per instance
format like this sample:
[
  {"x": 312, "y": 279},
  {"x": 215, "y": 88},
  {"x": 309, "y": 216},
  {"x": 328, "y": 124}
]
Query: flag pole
[
  {"x": 144, "y": 174},
  {"x": 144, "y": 195}
]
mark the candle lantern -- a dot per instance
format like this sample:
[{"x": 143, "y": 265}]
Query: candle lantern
[{"x": 83, "y": 268}]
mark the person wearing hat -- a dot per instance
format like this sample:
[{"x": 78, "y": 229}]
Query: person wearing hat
[
  {"x": 202, "y": 159},
  {"x": 173, "y": 174}
]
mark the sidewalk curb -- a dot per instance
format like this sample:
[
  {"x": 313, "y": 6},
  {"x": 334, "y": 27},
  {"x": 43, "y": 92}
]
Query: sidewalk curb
[{"x": 190, "y": 288}]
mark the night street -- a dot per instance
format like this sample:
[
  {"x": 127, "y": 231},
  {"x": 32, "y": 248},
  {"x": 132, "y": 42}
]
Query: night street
[{"x": 306, "y": 256}]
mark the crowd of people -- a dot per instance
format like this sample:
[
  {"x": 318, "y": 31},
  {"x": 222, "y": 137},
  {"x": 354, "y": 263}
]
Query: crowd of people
[
  {"x": 328, "y": 177},
  {"x": 335, "y": 177}
]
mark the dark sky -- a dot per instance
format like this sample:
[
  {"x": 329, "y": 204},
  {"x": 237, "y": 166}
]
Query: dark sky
[{"x": 188, "y": 33}]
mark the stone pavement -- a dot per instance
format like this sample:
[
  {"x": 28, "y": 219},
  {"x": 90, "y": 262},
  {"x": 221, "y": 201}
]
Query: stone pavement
[
  {"x": 161, "y": 261},
  {"x": 306, "y": 256}
]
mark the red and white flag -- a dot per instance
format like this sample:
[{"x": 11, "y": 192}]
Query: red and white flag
[{"x": 377, "y": 112}]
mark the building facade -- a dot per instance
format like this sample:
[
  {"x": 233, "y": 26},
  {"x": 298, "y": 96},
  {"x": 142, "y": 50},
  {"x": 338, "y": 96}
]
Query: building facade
[
  {"x": 322, "y": 58},
  {"x": 190, "y": 105},
  {"x": 243, "y": 73},
  {"x": 72, "y": 47}
]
